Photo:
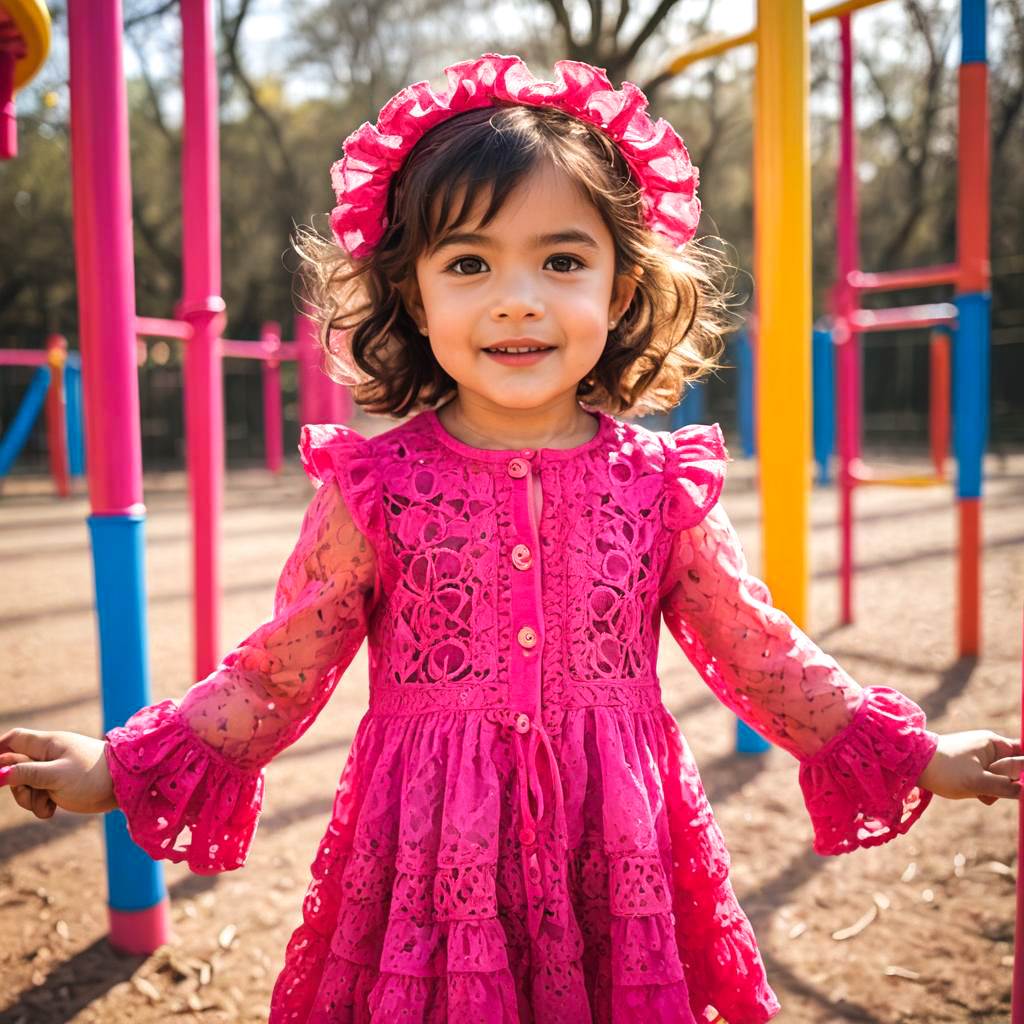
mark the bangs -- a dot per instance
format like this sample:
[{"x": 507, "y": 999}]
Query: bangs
[{"x": 486, "y": 159}]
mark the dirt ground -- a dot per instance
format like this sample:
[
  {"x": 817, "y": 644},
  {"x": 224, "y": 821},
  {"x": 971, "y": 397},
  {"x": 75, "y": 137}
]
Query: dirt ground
[{"x": 939, "y": 942}]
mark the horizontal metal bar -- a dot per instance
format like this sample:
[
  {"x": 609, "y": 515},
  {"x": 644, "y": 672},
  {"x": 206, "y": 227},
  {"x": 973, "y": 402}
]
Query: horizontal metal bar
[
  {"x": 713, "y": 46},
  {"x": 917, "y": 277},
  {"x": 154, "y": 327},
  {"x": 899, "y": 481},
  {"x": 903, "y": 317},
  {"x": 22, "y": 357},
  {"x": 235, "y": 349}
]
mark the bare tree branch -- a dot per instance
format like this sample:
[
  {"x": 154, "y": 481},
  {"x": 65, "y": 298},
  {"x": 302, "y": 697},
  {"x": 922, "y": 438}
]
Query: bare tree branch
[
  {"x": 564, "y": 22},
  {"x": 231, "y": 27}
]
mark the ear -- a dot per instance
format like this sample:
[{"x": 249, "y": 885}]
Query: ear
[
  {"x": 409, "y": 289},
  {"x": 622, "y": 295}
]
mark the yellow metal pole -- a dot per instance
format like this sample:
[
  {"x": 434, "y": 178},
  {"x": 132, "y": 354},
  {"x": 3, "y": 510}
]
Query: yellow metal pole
[
  {"x": 782, "y": 265},
  {"x": 708, "y": 48},
  {"x": 713, "y": 47},
  {"x": 838, "y": 10}
]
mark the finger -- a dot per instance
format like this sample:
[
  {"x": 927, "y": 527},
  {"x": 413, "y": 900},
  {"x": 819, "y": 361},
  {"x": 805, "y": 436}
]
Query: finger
[
  {"x": 1006, "y": 746},
  {"x": 22, "y": 797},
  {"x": 25, "y": 741},
  {"x": 37, "y": 774},
  {"x": 999, "y": 785},
  {"x": 988, "y": 800},
  {"x": 7, "y": 761},
  {"x": 40, "y": 803},
  {"x": 1009, "y": 766}
]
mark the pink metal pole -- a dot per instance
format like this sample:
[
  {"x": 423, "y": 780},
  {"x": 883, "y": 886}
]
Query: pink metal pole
[
  {"x": 270, "y": 339},
  {"x": 101, "y": 193},
  {"x": 307, "y": 351},
  {"x": 847, "y": 341},
  {"x": 203, "y": 308},
  {"x": 1017, "y": 991},
  {"x": 8, "y": 118},
  {"x": 101, "y": 187}
]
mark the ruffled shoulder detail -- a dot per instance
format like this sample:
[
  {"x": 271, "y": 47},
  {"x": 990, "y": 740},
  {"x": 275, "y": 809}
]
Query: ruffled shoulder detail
[
  {"x": 333, "y": 451},
  {"x": 695, "y": 460}
]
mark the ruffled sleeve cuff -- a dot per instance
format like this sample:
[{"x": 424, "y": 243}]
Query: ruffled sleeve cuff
[
  {"x": 695, "y": 460},
  {"x": 861, "y": 788},
  {"x": 166, "y": 780}
]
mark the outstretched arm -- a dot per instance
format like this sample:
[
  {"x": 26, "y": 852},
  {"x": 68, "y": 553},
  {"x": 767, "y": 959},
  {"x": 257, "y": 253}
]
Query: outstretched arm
[
  {"x": 198, "y": 763},
  {"x": 862, "y": 749}
]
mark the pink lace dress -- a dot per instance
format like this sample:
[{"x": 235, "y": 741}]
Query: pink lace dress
[{"x": 520, "y": 832}]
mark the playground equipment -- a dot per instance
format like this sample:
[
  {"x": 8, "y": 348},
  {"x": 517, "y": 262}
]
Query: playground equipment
[
  {"x": 782, "y": 192},
  {"x": 967, "y": 319},
  {"x": 316, "y": 392},
  {"x": 783, "y": 326},
  {"x": 109, "y": 328},
  {"x": 55, "y": 386},
  {"x": 823, "y": 375},
  {"x": 24, "y": 44}
]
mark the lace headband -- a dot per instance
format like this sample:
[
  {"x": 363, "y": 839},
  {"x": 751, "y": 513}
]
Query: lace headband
[{"x": 373, "y": 153}]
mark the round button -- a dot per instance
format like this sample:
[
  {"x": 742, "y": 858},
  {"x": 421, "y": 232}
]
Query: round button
[
  {"x": 522, "y": 722},
  {"x": 527, "y": 637},
  {"x": 518, "y": 467},
  {"x": 522, "y": 557},
  {"x": 527, "y": 836}
]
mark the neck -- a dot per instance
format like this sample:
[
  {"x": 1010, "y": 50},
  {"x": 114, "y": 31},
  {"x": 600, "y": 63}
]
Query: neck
[{"x": 562, "y": 425}]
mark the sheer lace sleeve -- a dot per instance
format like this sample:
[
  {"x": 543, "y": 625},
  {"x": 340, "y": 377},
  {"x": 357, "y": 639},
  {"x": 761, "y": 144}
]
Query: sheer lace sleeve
[
  {"x": 198, "y": 763},
  {"x": 861, "y": 750}
]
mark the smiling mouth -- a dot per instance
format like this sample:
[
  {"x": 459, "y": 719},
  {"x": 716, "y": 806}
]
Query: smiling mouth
[{"x": 519, "y": 351}]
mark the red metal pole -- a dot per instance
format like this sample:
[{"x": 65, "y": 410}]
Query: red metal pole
[
  {"x": 973, "y": 299},
  {"x": 56, "y": 420},
  {"x": 938, "y": 411},
  {"x": 270, "y": 339},
  {"x": 203, "y": 308}
]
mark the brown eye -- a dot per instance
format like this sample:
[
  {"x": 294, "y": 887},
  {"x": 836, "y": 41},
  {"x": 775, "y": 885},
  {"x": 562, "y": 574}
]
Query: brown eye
[
  {"x": 463, "y": 259},
  {"x": 566, "y": 256}
]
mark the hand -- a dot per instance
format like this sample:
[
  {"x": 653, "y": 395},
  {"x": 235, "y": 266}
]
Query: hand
[
  {"x": 977, "y": 763},
  {"x": 47, "y": 770}
]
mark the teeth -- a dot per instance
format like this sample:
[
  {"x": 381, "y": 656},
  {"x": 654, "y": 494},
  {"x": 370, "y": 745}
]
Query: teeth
[{"x": 516, "y": 349}]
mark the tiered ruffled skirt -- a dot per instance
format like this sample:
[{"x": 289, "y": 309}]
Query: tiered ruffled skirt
[{"x": 417, "y": 910}]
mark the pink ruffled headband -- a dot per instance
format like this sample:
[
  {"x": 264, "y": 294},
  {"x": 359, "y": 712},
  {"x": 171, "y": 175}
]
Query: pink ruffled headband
[{"x": 374, "y": 153}]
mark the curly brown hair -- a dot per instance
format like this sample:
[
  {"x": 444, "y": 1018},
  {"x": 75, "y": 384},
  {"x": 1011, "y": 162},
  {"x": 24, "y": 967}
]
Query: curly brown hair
[{"x": 671, "y": 333}]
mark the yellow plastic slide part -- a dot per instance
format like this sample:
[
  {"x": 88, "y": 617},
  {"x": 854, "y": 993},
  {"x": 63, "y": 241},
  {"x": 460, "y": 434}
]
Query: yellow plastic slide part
[{"x": 32, "y": 20}]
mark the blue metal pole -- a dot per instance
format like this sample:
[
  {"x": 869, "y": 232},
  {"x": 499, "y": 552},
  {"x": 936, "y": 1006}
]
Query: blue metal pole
[
  {"x": 823, "y": 405},
  {"x": 24, "y": 419},
  {"x": 745, "y": 395},
  {"x": 73, "y": 397},
  {"x": 690, "y": 409},
  {"x": 134, "y": 881}
]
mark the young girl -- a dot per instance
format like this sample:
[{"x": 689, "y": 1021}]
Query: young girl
[{"x": 520, "y": 832}]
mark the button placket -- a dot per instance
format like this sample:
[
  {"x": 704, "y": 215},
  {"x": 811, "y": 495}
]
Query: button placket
[{"x": 522, "y": 716}]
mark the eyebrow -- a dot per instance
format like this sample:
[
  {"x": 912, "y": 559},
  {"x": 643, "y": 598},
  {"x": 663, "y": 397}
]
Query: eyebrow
[{"x": 571, "y": 237}]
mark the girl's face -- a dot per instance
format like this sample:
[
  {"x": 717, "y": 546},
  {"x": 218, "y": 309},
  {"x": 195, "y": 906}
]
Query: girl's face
[{"x": 541, "y": 273}]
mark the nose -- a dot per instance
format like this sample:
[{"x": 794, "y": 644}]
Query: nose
[{"x": 518, "y": 300}]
